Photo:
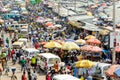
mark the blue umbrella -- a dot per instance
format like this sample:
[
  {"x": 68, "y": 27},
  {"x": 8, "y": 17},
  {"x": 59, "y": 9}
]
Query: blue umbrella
[
  {"x": 117, "y": 72},
  {"x": 69, "y": 40}
]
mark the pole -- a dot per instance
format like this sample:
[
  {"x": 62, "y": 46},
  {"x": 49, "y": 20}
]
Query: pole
[
  {"x": 114, "y": 26},
  {"x": 75, "y": 5}
]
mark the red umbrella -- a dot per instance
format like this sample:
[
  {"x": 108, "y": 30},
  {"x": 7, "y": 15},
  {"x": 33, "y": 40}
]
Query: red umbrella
[
  {"x": 49, "y": 24},
  {"x": 96, "y": 49},
  {"x": 95, "y": 41},
  {"x": 117, "y": 49},
  {"x": 86, "y": 48}
]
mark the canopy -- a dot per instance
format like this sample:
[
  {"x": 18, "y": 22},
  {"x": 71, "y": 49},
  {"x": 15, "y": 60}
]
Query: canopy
[
  {"x": 70, "y": 46},
  {"x": 52, "y": 44},
  {"x": 84, "y": 64}
]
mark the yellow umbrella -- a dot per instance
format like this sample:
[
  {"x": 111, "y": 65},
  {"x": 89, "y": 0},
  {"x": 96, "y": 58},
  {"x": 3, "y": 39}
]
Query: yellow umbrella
[
  {"x": 104, "y": 32},
  {"x": 89, "y": 14},
  {"x": 70, "y": 46},
  {"x": 80, "y": 41},
  {"x": 52, "y": 44},
  {"x": 90, "y": 37},
  {"x": 84, "y": 64}
]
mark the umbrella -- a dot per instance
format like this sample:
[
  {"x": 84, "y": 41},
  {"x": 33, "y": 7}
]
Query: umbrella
[
  {"x": 58, "y": 25},
  {"x": 117, "y": 72},
  {"x": 70, "y": 46},
  {"x": 40, "y": 19},
  {"x": 48, "y": 20},
  {"x": 60, "y": 41},
  {"x": 104, "y": 32},
  {"x": 80, "y": 41},
  {"x": 69, "y": 40},
  {"x": 90, "y": 37},
  {"x": 1, "y": 21},
  {"x": 96, "y": 49},
  {"x": 111, "y": 70},
  {"x": 52, "y": 44},
  {"x": 95, "y": 41},
  {"x": 43, "y": 43},
  {"x": 84, "y": 64},
  {"x": 86, "y": 48},
  {"x": 117, "y": 49},
  {"x": 49, "y": 24}
]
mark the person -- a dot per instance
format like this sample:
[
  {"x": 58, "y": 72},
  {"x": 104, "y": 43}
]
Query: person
[
  {"x": 56, "y": 66},
  {"x": 34, "y": 76},
  {"x": 24, "y": 76},
  {"x": 13, "y": 77},
  {"x": 29, "y": 74},
  {"x": 33, "y": 62},
  {"x": 0, "y": 73},
  {"x": 23, "y": 62}
]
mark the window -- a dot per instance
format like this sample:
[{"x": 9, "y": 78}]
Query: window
[{"x": 53, "y": 60}]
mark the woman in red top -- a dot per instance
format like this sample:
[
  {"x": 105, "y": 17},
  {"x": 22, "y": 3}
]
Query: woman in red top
[{"x": 24, "y": 76}]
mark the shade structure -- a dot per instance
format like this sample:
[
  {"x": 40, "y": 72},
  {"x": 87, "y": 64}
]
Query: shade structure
[
  {"x": 96, "y": 49},
  {"x": 86, "y": 48},
  {"x": 84, "y": 64},
  {"x": 95, "y": 41},
  {"x": 111, "y": 70},
  {"x": 117, "y": 49},
  {"x": 49, "y": 24},
  {"x": 104, "y": 32},
  {"x": 70, "y": 46},
  {"x": 52, "y": 44},
  {"x": 90, "y": 37},
  {"x": 80, "y": 41}
]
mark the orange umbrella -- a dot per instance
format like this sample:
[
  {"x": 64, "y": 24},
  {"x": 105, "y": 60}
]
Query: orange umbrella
[
  {"x": 117, "y": 49},
  {"x": 43, "y": 43},
  {"x": 90, "y": 37},
  {"x": 49, "y": 24},
  {"x": 95, "y": 41},
  {"x": 111, "y": 70}
]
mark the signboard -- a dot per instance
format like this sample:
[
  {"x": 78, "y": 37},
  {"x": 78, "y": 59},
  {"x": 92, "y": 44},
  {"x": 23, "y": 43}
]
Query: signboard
[{"x": 114, "y": 39}]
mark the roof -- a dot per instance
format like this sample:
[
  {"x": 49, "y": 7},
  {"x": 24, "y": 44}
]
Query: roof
[
  {"x": 22, "y": 39},
  {"x": 31, "y": 50},
  {"x": 65, "y": 77},
  {"x": 17, "y": 43},
  {"x": 24, "y": 27},
  {"x": 101, "y": 64},
  {"x": 48, "y": 55}
]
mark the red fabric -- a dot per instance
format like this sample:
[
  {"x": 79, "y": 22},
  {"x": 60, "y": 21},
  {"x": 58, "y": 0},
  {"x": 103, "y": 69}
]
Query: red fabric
[
  {"x": 12, "y": 52},
  {"x": 24, "y": 77},
  {"x": 36, "y": 46}
]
